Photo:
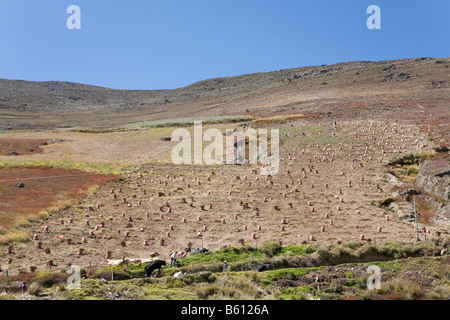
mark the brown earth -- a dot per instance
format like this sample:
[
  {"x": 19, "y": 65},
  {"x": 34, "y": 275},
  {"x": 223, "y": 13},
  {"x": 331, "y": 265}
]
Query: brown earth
[
  {"x": 21, "y": 146},
  {"x": 359, "y": 211},
  {"x": 397, "y": 107},
  {"x": 43, "y": 188}
]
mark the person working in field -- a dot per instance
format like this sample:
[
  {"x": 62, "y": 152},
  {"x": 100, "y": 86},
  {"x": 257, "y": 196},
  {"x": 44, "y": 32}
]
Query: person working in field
[
  {"x": 173, "y": 258},
  {"x": 23, "y": 287},
  {"x": 225, "y": 266}
]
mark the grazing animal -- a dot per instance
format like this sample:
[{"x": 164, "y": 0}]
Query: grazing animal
[{"x": 157, "y": 264}]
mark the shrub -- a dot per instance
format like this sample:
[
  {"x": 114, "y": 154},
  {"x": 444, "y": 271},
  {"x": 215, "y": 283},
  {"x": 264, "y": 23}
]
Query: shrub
[
  {"x": 44, "y": 273},
  {"x": 270, "y": 248},
  {"x": 440, "y": 292},
  {"x": 254, "y": 276},
  {"x": 297, "y": 250},
  {"x": 406, "y": 287},
  {"x": 412, "y": 170},
  {"x": 35, "y": 288},
  {"x": 351, "y": 245},
  {"x": 52, "y": 279},
  {"x": 203, "y": 292},
  {"x": 205, "y": 276},
  {"x": 361, "y": 282},
  {"x": 349, "y": 275},
  {"x": 386, "y": 202},
  {"x": 118, "y": 274}
]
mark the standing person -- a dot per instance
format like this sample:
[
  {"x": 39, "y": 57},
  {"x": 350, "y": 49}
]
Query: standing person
[
  {"x": 225, "y": 266},
  {"x": 173, "y": 258},
  {"x": 23, "y": 287}
]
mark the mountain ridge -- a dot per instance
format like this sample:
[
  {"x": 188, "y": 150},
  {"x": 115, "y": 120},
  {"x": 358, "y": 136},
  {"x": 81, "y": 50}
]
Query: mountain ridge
[{"x": 232, "y": 95}]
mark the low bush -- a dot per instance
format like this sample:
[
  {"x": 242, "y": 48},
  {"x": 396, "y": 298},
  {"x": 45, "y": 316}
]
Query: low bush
[
  {"x": 270, "y": 249},
  {"x": 35, "y": 288}
]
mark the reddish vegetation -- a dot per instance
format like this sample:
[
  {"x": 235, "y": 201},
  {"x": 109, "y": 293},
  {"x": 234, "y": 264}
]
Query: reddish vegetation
[
  {"x": 21, "y": 146},
  {"x": 44, "y": 187},
  {"x": 424, "y": 214}
]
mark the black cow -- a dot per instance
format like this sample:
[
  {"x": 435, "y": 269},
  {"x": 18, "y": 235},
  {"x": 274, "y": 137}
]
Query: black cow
[{"x": 157, "y": 264}]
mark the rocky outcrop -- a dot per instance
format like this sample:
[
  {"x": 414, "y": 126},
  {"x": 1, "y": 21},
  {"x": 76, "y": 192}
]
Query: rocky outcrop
[
  {"x": 434, "y": 178},
  {"x": 442, "y": 217}
]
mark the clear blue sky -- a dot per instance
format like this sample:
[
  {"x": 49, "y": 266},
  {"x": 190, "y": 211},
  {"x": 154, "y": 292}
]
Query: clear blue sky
[{"x": 165, "y": 44}]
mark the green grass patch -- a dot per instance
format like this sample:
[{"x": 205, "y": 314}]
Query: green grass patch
[
  {"x": 297, "y": 293},
  {"x": 244, "y": 255},
  {"x": 204, "y": 280},
  {"x": 235, "y": 254},
  {"x": 297, "y": 250},
  {"x": 287, "y": 273},
  {"x": 386, "y": 202}
]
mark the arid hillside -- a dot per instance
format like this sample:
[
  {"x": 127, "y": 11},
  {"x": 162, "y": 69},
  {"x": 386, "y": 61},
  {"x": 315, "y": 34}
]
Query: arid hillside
[
  {"x": 49, "y": 105},
  {"x": 88, "y": 179}
]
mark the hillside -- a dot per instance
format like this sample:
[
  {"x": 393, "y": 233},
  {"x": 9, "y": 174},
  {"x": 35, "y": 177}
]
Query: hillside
[
  {"x": 88, "y": 179},
  {"x": 48, "y": 105}
]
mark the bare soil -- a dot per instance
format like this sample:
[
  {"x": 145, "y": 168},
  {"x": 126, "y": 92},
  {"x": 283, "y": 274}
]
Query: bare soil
[
  {"x": 256, "y": 211},
  {"x": 381, "y": 109},
  {"x": 21, "y": 146},
  {"x": 43, "y": 188}
]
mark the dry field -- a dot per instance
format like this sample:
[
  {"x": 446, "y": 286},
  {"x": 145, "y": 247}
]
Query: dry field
[
  {"x": 44, "y": 190},
  {"x": 382, "y": 110},
  {"x": 20, "y": 146},
  {"x": 309, "y": 200}
]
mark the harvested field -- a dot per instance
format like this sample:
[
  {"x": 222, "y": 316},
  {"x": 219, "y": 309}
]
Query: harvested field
[
  {"x": 358, "y": 144},
  {"x": 309, "y": 200}
]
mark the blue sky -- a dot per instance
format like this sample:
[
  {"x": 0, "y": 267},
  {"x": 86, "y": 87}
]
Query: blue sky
[{"x": 166, "y": 44}]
